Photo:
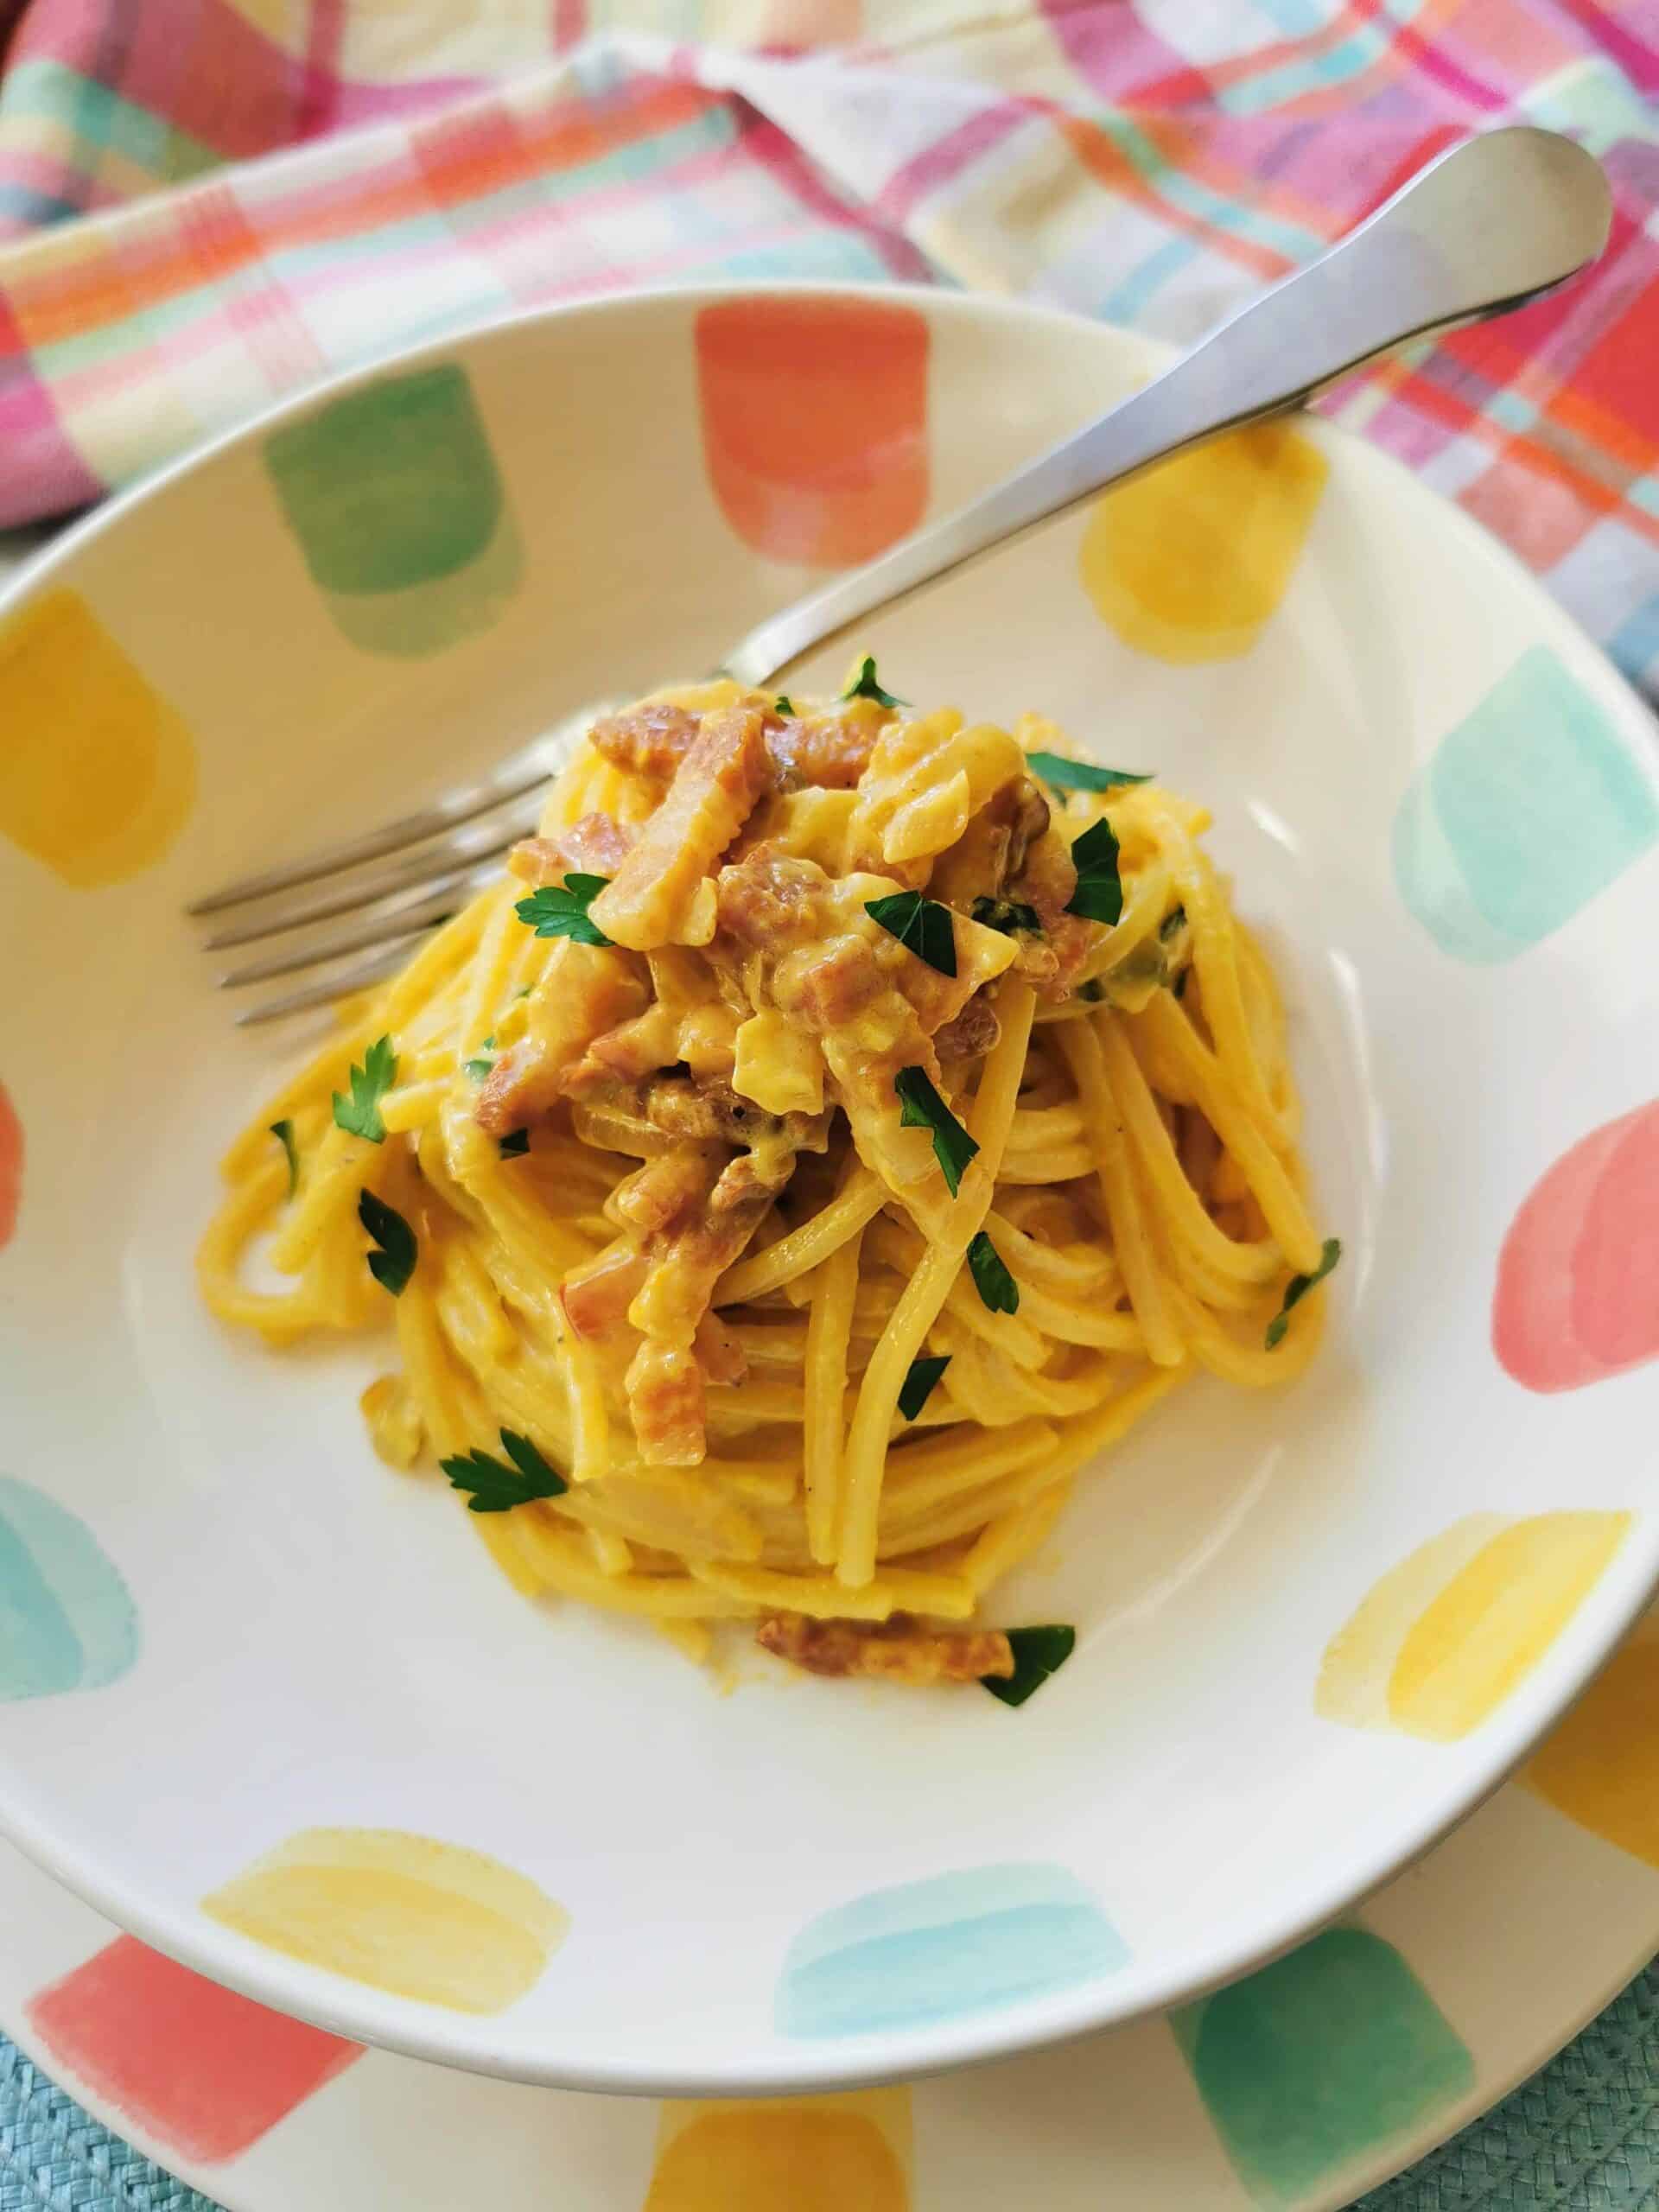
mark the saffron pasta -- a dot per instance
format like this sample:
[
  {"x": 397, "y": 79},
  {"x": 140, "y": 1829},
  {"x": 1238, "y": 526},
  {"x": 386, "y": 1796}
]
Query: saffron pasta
[{"x": 838, "y": 1126}]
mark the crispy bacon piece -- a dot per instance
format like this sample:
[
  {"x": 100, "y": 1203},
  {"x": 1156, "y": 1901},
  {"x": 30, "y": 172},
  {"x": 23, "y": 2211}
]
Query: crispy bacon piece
[
  {"x": 1048, "y": 880},
  {"x": 973, "y": 1033},
  {"x": 692, "y": 1212},
  {"x": 713, "y": 792},
  {"x": 652, "y": 740},
  {"x": 626, "y": 1054},
  {"x": 587, "y": 990},
  {"x": 664, "y": 1383},
  {"x": 897, "y": 1649},
  {"x": 712, "y": 1112},
  {"x": 596, "y": 1297},
  {"x": 667, "y": 1192},
  {"x": 826, "y": 963},
  {"x": 1048, "y": 883},
  {"x": 831, "y": 751},
  {"x": 597, "y": 845},
  {"x": 720, "y": 1355},
  {"x": 770, "y": 901},
  {"x": 665, "y": 1398}
]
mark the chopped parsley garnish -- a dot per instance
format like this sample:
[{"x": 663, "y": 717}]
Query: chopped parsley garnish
[
  {"x": 515, "y": 1144},
  {"x": 865, "y": 686},
  {"x": 1298, "y": 1287},
  {"x": 996, "y": 1287},
  {"x": 496, "y": 1487},
  {"x": 359, "y": 1115},
  {"x": 921, "y": 1381},
  {"x": 561, "y": 910},
  {"x": 1007, "y": 915},
  {"x": 283, "y": 1133},
  {"x": 1079, "y": 775},
  {"x": 393, "y": 1264},
  {"x": 922, "y": 1108},
  {"x": 921, "y": 925},
  {"x": 782, "y": 704},
  {"x": 1099, "y": 894},
  {"x": 1038, "y": 1653},
  {"x": 480, "y": 1068}
]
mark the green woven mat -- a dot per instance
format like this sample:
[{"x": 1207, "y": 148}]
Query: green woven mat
[{"x": 1583, "y": 2136}]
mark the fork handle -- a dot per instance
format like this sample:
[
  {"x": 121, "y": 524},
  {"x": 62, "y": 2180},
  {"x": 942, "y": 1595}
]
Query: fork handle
[{"x": 1491, "y": 224}]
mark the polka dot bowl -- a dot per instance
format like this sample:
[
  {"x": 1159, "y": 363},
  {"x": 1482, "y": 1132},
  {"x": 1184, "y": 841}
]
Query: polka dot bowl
[{"x": 269, "y": 1707}]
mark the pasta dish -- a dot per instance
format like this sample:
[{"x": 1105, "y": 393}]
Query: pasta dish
[{"x": 836, "y": 1128}]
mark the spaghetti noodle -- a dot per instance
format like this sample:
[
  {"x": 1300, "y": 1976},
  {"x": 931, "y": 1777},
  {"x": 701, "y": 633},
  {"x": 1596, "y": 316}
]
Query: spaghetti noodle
[{"x": 818, "y": 1146}]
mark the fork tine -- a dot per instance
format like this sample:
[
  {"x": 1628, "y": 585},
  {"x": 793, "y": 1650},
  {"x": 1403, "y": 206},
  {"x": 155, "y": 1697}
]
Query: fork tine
[
  {"x": 432, "y": 869},
  {"x": 397, "y": 919},
  {"x": 521, "y": 772},
  {"x": 456, "y": 807},
  {"x": 374, "y": 969}
]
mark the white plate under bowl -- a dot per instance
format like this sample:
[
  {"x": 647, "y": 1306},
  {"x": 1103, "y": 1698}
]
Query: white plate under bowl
[{"x": 1303, "y": 1651}]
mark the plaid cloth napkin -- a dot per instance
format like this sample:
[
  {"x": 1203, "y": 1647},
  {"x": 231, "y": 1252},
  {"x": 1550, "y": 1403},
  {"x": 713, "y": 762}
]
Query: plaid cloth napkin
[{"x": 207, "y": 203}]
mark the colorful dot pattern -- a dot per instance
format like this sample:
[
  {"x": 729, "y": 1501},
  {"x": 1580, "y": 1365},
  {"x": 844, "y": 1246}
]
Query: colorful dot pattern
[
  {"x": 402, "y": 1913},
  {"x": 814, "y": 416},
  {"x": 1441, "y": 1640},
  {"x": 1191, "y": 562},
  {"x": 399, "y": 510},
  {"x": 1307, "y": 2065},
  {"x": 810, "y": 2154},
  {"x": 67, "y": 1620},
  {"x": 940, "y": 1950},
  {"x": 97, "y": 772},
  {"x": 199, "y": 2069},
  {"x": 1577, "y": 1295},
  {"x": 1528, "y": 810}
]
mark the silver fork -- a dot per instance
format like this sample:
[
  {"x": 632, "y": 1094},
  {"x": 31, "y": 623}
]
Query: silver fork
[{"x": 1491, "y": 225}]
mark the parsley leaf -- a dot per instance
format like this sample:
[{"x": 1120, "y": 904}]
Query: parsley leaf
[
  {"x": 1099, "y": 894},
  {"x": 1038, "y": 1653},
  {"x": 921, "y": 925},
  {"x": 496, "y": 1486},
  {"x": 480, "y": 1068},
  {"x": 359, "y": 1115},
  {"x": 515, "y": 1144},
  {"x": 920, "y": 1380},
  {"x": 782, "y": 704},
  {"x": 864, "y": 686},
  {"x": 1007, "y": 915},
  {"x": 561, "y": 910},
  {"x": 1298, "y": 1287},
  {"x": 1079, "y": 775},
  {"x": 394, "y": 1263},
  {"x": 996, "y": 1287},
  {"x": 283, "y": 1133},
  {"x": 922, "y": 1108}
]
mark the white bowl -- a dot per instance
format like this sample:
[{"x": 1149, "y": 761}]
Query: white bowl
[{"x": 1315, "y": 1626}]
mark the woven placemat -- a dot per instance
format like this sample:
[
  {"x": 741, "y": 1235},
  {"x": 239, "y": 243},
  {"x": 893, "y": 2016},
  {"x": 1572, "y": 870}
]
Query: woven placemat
[{"x": 1581, "y": 2136}]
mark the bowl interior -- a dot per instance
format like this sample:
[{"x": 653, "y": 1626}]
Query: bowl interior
[{"x": 1315, "y": 1626}]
